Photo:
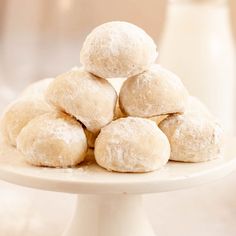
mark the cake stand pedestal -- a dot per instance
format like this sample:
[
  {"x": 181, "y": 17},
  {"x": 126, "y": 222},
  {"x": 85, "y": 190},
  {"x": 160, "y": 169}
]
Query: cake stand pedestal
[{"x": 110, "y": 204}]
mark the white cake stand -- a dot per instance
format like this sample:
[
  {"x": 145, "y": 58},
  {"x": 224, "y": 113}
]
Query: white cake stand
[{"x": 110, "y": 204}]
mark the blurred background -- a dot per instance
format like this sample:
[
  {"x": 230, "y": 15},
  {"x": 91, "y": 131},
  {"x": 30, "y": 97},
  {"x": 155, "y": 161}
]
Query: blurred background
[{"x": 195, "y": 39}]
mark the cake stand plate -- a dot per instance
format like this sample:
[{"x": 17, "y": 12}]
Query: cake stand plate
[{"x": 109, "y": 203}]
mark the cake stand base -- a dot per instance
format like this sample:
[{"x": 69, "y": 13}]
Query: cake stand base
[{"x": 106, "y": 215}]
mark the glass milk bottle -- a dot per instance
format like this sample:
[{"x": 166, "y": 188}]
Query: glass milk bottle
[{"x": 197, "y": 45}]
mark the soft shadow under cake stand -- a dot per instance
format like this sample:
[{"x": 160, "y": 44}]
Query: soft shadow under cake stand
[{"x": 110, "y": 204}]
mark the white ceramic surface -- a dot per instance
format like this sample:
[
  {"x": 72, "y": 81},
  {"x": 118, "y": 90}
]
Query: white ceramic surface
[{"x": 111, "y": 204}]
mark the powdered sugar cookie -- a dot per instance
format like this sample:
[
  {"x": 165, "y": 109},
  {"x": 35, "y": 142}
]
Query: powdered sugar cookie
[
  {"x": 90, "y": 99},
  {"x": 156, "y": 91},
  {"x": 194, "y": 136},
  {"x": 18, "y": 114},
  {"x": 132, "y": 144},
  {"x": 37, "y": 89},
  {"x": 53, "y": 140},
  {"x": 117, "y": 49}
]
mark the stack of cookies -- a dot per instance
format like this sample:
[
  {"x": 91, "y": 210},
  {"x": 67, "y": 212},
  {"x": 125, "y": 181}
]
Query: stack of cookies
[{"x": 139, "y": 127}]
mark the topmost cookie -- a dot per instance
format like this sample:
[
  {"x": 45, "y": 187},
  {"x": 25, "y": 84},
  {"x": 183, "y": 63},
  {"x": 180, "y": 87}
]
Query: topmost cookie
[{"x": 117, "y": 49}]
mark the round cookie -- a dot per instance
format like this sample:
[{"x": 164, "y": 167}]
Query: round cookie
[
  {"x": 18, "y": 114},
  {"x": 117, "y": 49},
  {"x": 193, "y": 136},
  {"x": 37, "y": 89},
  {"x": 132, "y": 144},
  {"x": 90, "y": 99},
  {"x": 53, "y": 140},
  {"x": 155, "y": 92}
]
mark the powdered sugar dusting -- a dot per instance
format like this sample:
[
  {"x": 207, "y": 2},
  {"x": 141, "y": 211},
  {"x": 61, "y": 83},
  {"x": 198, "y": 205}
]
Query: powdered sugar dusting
[
  {"x": 90, "y": 99},
  {"x": 64, "y": 131},
  {"x": 54, "y": 140},
  {"x": 131, "y": 145},
  {"x": 154, "y": 92},
  {"x": 117, "y": 49},
  {"x": 194, "y": 136}
]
